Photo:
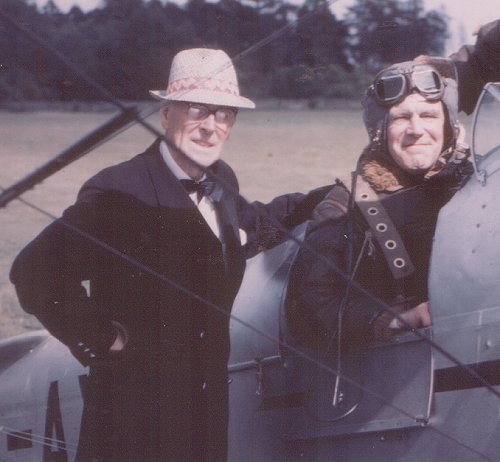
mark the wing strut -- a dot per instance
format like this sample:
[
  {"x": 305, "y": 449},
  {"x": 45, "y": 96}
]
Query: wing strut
[{"x": 70, "y": 154}]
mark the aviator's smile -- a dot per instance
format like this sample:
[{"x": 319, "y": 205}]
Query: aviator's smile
[{"x": 416, "y": 145}]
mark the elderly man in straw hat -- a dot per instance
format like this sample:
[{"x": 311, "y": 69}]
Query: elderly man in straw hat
[{"x": 139, "y": 275}]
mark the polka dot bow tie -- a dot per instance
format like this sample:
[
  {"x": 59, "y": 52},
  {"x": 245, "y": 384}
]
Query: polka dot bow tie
[{"x": 202, "y": 188}]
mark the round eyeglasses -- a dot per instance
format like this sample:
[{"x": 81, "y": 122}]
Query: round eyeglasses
[
  {"x": 222, "y": 115},
  {"x": 391, "y": 86}
]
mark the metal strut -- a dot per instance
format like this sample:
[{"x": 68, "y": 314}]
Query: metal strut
[{"x": 70, "y": 154}]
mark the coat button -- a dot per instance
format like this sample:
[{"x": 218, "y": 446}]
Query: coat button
[
  {"x": 204, "y": 386},
  {"x": 202, "y": 334}
]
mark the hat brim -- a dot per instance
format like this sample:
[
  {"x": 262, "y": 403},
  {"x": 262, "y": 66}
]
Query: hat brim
[{"x": 205, "y": 97}]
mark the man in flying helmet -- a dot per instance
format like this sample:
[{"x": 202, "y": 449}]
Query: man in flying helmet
[{"x": 377, "y": 226}]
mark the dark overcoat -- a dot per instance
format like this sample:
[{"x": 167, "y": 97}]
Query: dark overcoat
[{"x": 134, "y": 249}]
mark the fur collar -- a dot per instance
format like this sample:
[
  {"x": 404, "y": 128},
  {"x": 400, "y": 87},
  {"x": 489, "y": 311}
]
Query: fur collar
[{"x": 384, "y": 175}]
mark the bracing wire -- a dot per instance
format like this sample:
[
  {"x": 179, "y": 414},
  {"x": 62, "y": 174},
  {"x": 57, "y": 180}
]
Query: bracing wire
[
  {"x": 39, "y": 439},
  {"x": 140, "y": 120},
  {"x": 304, "y": 355}
]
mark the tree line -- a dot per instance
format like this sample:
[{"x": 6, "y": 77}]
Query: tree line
[{"x": 282, "y": 50}]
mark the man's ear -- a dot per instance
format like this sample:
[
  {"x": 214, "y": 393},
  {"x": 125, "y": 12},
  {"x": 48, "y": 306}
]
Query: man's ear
[
  {"x": 231, "y": 128},
  {"x": 164, "y": 116}
]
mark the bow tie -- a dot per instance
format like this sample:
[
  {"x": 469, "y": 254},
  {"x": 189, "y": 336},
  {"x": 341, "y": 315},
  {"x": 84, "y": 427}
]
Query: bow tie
[{"x": 202, "y": 188}]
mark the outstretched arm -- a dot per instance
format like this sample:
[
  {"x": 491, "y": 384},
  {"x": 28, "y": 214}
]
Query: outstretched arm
[
  {"x": 266, "y": 224},
  {"x": 477, "y": 65}
]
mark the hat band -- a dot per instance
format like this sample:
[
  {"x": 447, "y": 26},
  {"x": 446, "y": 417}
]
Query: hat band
[{"x": 203, "y": 83}]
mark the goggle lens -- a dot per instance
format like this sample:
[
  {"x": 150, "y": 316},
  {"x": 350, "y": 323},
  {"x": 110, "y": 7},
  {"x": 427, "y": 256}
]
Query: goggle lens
[
  {"x": 427, "y": 82},
  {"x": 390, "y": 87}
]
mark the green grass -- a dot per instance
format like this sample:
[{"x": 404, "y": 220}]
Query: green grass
[{"x": 272, "y": 152}]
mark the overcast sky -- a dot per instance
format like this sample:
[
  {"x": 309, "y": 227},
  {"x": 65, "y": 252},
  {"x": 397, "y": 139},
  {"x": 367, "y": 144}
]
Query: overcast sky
[{"x": 465, "y": 15}]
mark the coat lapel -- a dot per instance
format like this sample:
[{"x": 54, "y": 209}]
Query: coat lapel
[
  {"x": 170, "y": 193},
  {"x": 229, "y": 230},
  {"x": 169, "y": 190},
  {"x": 225, "y": 205}
]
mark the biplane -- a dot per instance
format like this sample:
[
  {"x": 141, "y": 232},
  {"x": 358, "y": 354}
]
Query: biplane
[{"x": 427, "y": 395}]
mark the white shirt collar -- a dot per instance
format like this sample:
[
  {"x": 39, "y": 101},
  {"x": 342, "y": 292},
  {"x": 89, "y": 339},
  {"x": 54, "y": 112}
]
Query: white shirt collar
[
  {"x": 172, "y": 164},
  {"x": 205, "y": 206}
]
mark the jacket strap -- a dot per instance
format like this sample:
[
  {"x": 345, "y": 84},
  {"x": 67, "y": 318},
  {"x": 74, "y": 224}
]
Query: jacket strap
[{"x": 383, "y": 229}]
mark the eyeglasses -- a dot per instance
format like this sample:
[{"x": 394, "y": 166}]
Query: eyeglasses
[
  {"x": 222, "y": 115},
  {"x": 391, "y": 86}
]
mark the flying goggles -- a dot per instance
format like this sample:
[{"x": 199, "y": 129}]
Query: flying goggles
[{"x": 392, "y": 85}]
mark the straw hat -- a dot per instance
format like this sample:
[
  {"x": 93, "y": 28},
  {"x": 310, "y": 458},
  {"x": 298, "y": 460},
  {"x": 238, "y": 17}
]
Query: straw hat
[{"x": 203, "y": 75}]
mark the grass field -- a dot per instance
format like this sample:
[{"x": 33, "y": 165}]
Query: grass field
[{"x": 272, "y": 152}]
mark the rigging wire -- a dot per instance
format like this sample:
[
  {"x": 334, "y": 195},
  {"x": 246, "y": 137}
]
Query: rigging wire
[
  {"x": 304, "y": 355},
  {"x": 39, "y": 439},
  {"x": 107, "y": 95},
  {"x": 380, "y": 304}
]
